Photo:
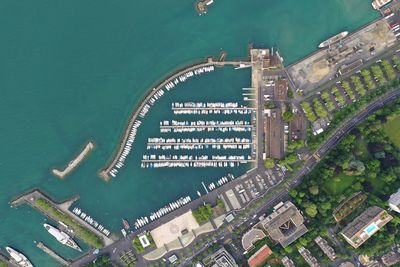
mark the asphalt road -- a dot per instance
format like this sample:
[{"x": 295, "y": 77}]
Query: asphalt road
[{"x": 308, "y": 165}]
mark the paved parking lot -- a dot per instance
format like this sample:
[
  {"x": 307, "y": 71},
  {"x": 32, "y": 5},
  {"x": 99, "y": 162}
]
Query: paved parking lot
[{"x": 323, "y": 65}]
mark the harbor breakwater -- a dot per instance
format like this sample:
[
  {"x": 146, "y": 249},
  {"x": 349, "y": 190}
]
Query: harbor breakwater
[{"x": 75, "y": 162}]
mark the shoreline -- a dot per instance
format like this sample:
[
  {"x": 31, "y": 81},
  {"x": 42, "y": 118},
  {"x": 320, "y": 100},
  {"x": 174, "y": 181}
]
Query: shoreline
[
  {"x": 75, "y": 162},
  {"x": 104, "y": 173}
]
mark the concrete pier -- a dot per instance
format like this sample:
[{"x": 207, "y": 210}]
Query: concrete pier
[
  {"x": 75, "y": 162},
  {"x": 30, "y": 198},
  {"x": 53, "y": 254}
]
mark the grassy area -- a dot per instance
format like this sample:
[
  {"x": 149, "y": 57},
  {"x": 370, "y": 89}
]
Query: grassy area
[
  {"x": 84, "y": 234},
  {"x": 339, "y": 183},
  {"x": 392, "y": 129},
  {"x": 203, "y": 213},
  {"x": 361, "y": 149},
  {"x": 3, "y": 263}
]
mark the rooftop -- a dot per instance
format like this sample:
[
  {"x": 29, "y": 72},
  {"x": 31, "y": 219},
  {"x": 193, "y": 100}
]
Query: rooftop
[
  {"x": 310, "y": 259},
  {"x": 287, "y": 262},
  {"x": 326, "y": 248},
  {"x": 251, "y": 237},
  {"x": 394, "y": 201},
  {"x": 260, "y": 256},
  {"x": 365, "y": 225},
  {"x": 285, "y": 224},
  {"x": 221, "y": 258},
  {"x": 391, "y": 258}
]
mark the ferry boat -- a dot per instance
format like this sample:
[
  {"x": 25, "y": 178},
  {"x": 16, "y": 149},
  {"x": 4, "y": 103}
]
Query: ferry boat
[
  {"x": 18, "y": 258},
  {"x": 126, "y": 224},
  {"x": 61, "y": 237},
  {"x": 333, "y": 39},
  {"x": 377, "y": 4}
]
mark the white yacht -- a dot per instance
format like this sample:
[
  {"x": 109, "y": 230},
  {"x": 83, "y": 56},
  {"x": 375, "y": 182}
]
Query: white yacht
[
  {"x": 61, "y": 237},
  {"x": 18, "y": 258}
]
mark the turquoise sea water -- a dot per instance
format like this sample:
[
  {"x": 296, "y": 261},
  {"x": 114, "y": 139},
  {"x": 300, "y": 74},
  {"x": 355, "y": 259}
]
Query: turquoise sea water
[{"x": 71, "y": 71}]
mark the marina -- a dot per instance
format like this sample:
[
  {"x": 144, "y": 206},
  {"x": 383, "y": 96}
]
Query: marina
[
  {"x": 142, "y": 221},
  {"x": 91, "y": 221},
  {"x": 140, "y": 113}
]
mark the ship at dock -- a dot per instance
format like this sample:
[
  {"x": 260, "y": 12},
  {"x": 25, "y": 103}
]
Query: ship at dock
[
  {"x": 333, "y": 39},
  {"x": 62, "y": 237},
  {"x": 18, "y": 258}
]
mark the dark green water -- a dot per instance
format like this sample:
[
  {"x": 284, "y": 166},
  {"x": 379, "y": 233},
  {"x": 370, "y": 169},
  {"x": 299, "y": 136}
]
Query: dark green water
[{"x": 71, "y": 71}]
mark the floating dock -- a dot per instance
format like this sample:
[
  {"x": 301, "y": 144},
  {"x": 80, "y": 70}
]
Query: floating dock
[
  {"x": 53, "y": 254},
  {"x": 75, "y": 162}
]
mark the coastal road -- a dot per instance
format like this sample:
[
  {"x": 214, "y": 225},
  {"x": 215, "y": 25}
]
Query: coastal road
[{"x": 308, "y": 165}]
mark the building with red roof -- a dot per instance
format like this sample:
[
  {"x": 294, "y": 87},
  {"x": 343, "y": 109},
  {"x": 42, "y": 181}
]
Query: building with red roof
[{"x": 260, "y": 256}]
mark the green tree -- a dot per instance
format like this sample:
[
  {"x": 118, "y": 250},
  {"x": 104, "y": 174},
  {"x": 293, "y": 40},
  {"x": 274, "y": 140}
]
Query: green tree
[
  {"x": 326, "y": 205},
  {"x": 203, "y": 213},
  {"x": 269, "y": 163},
  {"x": 314, "y": 190},
  {"x": 289, "y": 249},
  {"x": 311, "y": 210},
  {"x": 293, "y": 193},
  {"x": 288, "y": 116}
]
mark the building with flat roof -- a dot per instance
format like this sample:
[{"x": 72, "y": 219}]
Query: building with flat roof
[
  {"x": 250, "y": 237},
  {"x": 274, "y": 135},
  {"x": 265, "y": 58},
  {"x": 220, "y": 258},
  {"x": 310, "y": 259},
  {"x": 394, "y": 201},
  {"x": 287, "y": 262},
  {"x": 391, "y": 258},
  {"x": 285, "y": 224},
  {"x": 260, "y": 256},
  {"x": 365, "y": 225},
  {"x": 326, "y": 248}
]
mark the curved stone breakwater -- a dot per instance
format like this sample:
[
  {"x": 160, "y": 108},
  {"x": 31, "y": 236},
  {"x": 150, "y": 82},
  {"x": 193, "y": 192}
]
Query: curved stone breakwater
[{"x": 153, "y": 95}]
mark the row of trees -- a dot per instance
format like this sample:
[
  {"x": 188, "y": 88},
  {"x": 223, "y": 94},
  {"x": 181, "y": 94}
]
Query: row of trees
[
  {"x": 389, "y": 71},
  {"x": 366, "y": 74},
  {"x": 347, "y": 88},
  {"x": 319, "y": 108},
  {"x": 378, "y": 73},
  {"x": 396, "y": 61},
  {"x": 340, "y": 98},
  {"x": 330, "y": 105},
  {"x": 358, "y": 85},
  {"x": 346, "y": 112},
  {"x": 309, "y": 111}
]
